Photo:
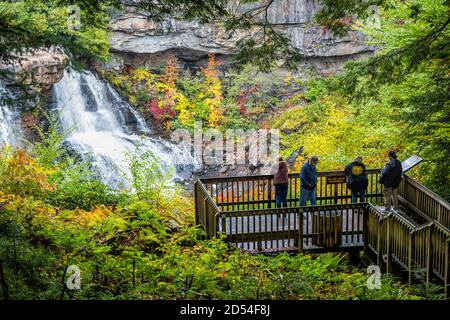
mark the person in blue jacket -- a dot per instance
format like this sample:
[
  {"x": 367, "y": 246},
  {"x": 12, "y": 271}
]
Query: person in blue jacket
[{"x": 308, "y": 181}]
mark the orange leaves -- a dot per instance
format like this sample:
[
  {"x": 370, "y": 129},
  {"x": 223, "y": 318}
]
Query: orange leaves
[
  {"x": 23, "y": 175},
  {"x": 213, "y": 90},
  {"x": 210, "y": 72},
  {"x": 92, "y": 217},
  {"x": 170, "y": 75}
]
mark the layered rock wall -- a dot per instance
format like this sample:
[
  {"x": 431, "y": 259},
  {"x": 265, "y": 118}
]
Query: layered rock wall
[{"x": 137, "y": 39}]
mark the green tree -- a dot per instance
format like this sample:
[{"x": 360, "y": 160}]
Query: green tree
[{"x": 409, "y": 73}]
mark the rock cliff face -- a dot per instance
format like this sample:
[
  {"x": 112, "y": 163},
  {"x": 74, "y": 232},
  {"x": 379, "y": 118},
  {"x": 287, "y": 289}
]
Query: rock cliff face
[
  {"x": 40, "y": 68},
  {"x": 138, "y": 40}
]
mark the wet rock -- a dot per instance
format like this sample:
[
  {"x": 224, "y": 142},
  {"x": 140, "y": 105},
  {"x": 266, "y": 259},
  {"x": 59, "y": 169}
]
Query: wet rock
[
  {"x": 223, "y": 170},
  {"x": 255, "y": 166},
  {"x": 293, "y": 156},
  {"x": 173, "y": 225}
]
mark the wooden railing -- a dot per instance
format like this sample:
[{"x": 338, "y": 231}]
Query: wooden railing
[
  {"x": 415, "y": 239},
  {"x": 375, "y": 235},
  {"x": 258, "y": 192},
  {"x": 206, "y": 210},
  {"x": 422, "y": 250},
  {"x": 420, "y": 199},
  {"x": 296, "y": 228}
]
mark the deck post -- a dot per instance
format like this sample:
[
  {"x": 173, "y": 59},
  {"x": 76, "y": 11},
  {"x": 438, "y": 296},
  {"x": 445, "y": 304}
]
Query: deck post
[
  {"x": 335, "y": 193},
  {"x": 410, "y": 258},
  {"x": 216, "y": 224},
  {"x": 299, "y": 240},
  {"x": 365, "y": 228},
  {"x": 205, "y": 218},
  {"x": 388, "y": 247},
  {"x": 353, "y": 256},
  {"x": 379, "y": 252},
  {"x": 269, "y": 194},
  {"x": 197, "y": 218},
  {"x": 428, "y": 253},
  {"x": 446, "y": 269}
]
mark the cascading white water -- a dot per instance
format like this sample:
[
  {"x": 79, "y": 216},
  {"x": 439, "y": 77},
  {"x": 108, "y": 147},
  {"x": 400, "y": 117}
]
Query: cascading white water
[
  {"x": 10, "y": 131},
  {"x": 103, "y": 128}
]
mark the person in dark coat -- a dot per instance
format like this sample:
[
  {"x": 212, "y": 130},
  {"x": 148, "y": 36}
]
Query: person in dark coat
[
  {"x": 308, "y": 181},
  {"x": 280, "y": 180},
  {"x": 390, "y": 177},
  {"x": 357, "y": 180}
]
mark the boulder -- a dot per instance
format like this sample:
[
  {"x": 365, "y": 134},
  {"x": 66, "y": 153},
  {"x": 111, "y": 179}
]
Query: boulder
[{"x": 39, "y": 68}]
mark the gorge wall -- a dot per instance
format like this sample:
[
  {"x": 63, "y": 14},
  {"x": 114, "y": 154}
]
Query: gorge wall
[{"x": 138, "y": 40}]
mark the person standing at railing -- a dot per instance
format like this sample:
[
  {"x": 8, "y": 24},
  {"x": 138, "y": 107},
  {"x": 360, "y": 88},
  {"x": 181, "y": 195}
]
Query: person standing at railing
[
  {"x": 357, "y": 180},
  {"x": 390, "y": 177},
  {"x": 308, "y": 181},
  {"x": 280, "y": 180}
]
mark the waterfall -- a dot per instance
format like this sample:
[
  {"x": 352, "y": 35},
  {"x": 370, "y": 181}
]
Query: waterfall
[
  {"x": 101, "y": 128},
  {"x": 10, "y": 130}
]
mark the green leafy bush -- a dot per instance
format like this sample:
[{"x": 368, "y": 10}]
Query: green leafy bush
[{"x": 84, "y": 193}]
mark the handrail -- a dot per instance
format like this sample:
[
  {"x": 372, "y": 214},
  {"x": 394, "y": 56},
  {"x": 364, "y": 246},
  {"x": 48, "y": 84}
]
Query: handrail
[
  {"x": 411, "y": 224},
  {"x": 305, "y": 208},
  {"x": 427, "y": 191},
  {"x": 380, "y": 214},
  {"x": 252, "y": 192},
  {"x": 334, "y": 173},
  {"x": 424, "y": 201}
]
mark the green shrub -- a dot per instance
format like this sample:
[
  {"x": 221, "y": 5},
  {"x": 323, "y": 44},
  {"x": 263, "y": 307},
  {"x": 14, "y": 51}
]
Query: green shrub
[{"x": 83, "y": 194}]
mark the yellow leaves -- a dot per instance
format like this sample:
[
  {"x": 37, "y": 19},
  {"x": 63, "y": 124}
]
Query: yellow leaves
[
  {"x": 119, "y": 80},
  {"x": 184, "y": 108},
  {"x": 133, "y": 99},
  {"x": 168, "y": 99},
  {"x": 288, "y": 79},
  {"x": 141, "y": 74},
  {"x": 215, "y": 116},
  {"x": 213, "y": 91},
  {"x": 23, "y": 175},
  {"x": 92, "y": 217}
]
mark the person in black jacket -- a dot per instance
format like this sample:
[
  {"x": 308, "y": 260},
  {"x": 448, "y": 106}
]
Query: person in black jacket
[
  {"x": 357, "y": 180},
  {"x": 390, "y": 177}
]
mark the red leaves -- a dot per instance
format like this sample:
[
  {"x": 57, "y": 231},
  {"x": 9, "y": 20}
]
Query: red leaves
[
  {"x": 243, "y": 96},
  {"x": 155, "y": 110},
  {"x": 162, "y": 110}
]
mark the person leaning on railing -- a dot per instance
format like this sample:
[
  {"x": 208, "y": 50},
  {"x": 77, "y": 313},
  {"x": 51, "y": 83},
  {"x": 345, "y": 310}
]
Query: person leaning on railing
[
  {"x": 308, "y": 181},
  {"x": 390, "y": 178}
]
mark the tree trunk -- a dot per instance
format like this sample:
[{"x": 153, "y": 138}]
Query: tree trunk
[{"x": 5, "y": 287}]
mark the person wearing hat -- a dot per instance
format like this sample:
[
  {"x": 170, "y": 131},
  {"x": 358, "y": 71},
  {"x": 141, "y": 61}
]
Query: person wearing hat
[
  {"x": 357, "y": 180},
  {"x": 308, "y": 181},
  {"x": 390, "y": 177}
]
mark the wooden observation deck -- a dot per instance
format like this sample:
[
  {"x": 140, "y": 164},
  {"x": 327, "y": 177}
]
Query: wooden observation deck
[{"x": 414, "y": 239}]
